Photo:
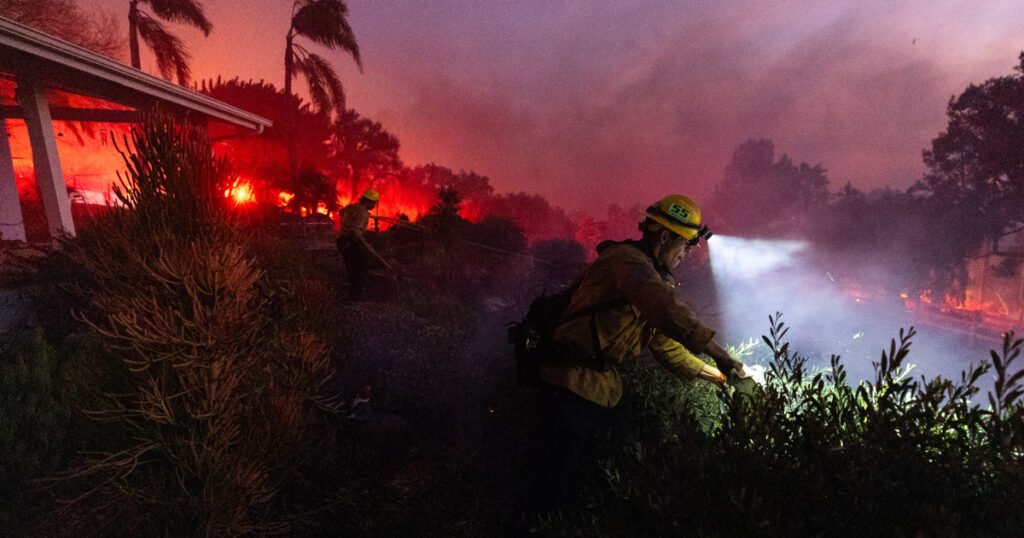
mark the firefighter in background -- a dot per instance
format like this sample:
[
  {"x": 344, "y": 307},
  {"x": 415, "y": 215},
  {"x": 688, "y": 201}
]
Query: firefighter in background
[
  {"x": 625, "y": 304},
  {"x": 352, "y": 243}
]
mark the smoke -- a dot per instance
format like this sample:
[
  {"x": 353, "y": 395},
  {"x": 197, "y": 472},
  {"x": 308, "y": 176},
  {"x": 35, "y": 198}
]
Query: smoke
[
  {"x": 595, "y": 103},
  {"x": 755, "y": 278},
  {"x": 592, "y": 103}
]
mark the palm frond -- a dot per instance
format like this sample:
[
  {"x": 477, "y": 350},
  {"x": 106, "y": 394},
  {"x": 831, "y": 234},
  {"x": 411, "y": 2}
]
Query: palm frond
[
  {"x": 326, "y": 22},
  {"x": 185, "y": 11},
  {"x": 317, "y": 91},
  {"x": 325, "y": 87},
  {"x": 76, "y": 129},
  {"x": 169, "y": 51}
]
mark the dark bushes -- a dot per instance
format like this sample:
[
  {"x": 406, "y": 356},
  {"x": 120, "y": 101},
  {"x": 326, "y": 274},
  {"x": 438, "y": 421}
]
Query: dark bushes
[
  {"x": 36, "y": 389},
  {"x": 811, "y": 456}
]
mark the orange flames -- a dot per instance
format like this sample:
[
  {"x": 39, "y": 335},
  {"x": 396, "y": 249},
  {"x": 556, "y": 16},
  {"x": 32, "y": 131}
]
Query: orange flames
[{"x": 241, "y": 192}]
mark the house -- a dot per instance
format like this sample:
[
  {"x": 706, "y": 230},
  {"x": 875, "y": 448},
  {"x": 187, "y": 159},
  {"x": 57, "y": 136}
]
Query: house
[
  {"x": 995, "y": 281},
  {"x": 45, "y": 81}
]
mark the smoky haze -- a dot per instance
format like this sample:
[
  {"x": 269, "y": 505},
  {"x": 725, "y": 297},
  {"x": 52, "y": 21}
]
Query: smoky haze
[
  {"x": 755, "y": 278},
  {"x": 592, "y": 103}
]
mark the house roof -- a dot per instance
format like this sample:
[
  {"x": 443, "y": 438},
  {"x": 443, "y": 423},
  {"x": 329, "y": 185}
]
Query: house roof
[{"x": 29, "y": 53}]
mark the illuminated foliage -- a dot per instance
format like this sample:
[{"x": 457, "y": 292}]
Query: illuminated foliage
[
  {"x": 311, "y": 190},
  {"x": 812, "y": 455}
]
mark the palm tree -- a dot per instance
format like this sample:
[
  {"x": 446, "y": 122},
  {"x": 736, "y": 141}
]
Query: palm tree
[
  {"x": 324, "y": 22},
  {"x": 169, "y": 50}
]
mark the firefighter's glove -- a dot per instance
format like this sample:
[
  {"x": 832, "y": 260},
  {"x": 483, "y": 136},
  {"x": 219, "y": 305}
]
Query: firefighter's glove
[
  {"x": 727, "y": 369},
  {"x": 747, "y": 380}
]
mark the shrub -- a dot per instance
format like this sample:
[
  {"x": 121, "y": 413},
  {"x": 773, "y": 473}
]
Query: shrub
[
  {"x": 812, "y": 455},
  {"x": 500, "y": 233},
  {"x": 209, "y": 406},
  {"x": 33, "y": 419}
]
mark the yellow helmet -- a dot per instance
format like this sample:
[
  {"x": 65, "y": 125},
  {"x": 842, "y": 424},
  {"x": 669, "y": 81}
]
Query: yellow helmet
[
  {"x": 681, "y": 215},
  {"x": 371, "y": 195}
]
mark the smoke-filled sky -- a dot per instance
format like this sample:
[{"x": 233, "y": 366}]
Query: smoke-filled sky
[{"x": 591, "y": 102}]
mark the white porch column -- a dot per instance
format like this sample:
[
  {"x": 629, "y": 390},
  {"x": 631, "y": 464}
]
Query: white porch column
[
  {"x": 45, "y": 161},
  {"x": 12, "y": 227}
]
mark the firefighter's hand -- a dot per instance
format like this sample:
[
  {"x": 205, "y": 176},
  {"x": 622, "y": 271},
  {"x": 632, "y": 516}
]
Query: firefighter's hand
[
  {"x": 731, "y": 368},
  {"x": 723, "y": 360}
]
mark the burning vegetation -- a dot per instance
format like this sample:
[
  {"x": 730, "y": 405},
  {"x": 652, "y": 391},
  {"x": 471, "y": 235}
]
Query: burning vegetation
[
  {"x": 202, "y": 384},
  {"x": 185, "y": 366}
]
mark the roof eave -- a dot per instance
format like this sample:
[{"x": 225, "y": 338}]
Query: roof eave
[{"x": 62, "y": 53}]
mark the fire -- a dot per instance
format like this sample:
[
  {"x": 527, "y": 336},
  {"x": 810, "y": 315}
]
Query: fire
[{"x": 242, "y": 192}]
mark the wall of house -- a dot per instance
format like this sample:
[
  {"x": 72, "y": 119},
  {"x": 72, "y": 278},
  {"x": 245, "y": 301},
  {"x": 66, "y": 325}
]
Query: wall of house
[{"x": 996, "y": 283}]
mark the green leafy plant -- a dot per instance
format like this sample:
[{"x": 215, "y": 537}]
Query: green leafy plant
[
  {"x": 811, "y": 455},
  {"x": 33, "y": 417}
]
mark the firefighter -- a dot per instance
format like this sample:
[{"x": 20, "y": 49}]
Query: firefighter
[
  {"x": 628, "y": 305},
  {"x": 352, "y": 243}
]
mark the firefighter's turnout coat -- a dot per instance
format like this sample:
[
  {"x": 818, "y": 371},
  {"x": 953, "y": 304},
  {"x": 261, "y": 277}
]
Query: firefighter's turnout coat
[
  {"x": 354, "y": 220},
  {"x": 644, "y": 313}
]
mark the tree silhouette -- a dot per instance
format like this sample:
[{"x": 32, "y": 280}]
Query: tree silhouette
[
  {"x": 443, "y": 217},
  {"x": 296, "y": 128},
  {"x": 169, "y": 50},
  {"x": 448, "y": 205},
  {"x": 311, "y": 189},
  {"x": 361, "y": 149},
  {"x": 538, "y": 218},
  {"x": 975, "y": 176},
  {"x": 885, "y": 239},
  {"x": 764, "y": 196},
  {"x": 324, "y": 22},
  {"x": 94, "y": 30},
  {"x": 474, "y": 190}
]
